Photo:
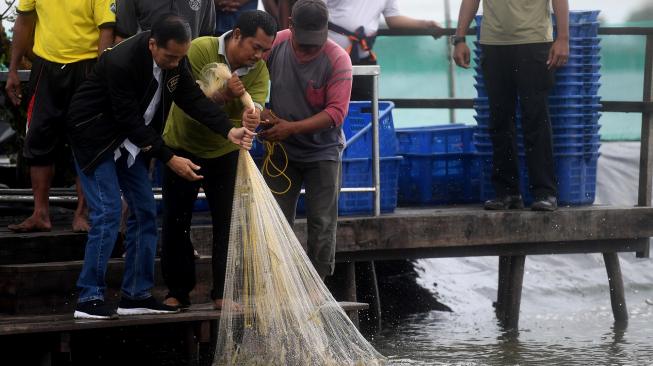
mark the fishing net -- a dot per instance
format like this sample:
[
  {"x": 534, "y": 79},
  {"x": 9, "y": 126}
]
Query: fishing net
[
  {"x": 277, "y": 311},
  {"x": 214, "y": 77}
]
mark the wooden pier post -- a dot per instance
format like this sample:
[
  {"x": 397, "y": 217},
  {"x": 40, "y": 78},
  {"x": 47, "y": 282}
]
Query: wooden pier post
[
  {"x": 350, "y": 288},
  {"x": 376, "y": 305},
  {"x": 511, "y": 277},
  {"x": 646, "y": 153},
  {"x": 617, "y": 297},
  {"x": 504, "y": 274}
]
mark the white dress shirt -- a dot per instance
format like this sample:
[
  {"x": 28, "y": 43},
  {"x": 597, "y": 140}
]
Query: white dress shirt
[{"x": 147, "y": 116}]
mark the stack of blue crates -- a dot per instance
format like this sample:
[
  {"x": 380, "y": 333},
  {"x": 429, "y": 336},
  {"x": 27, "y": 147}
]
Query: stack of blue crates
[
  {"x": 574, "y": 107},
  {"x": 357, "y": 161},
  {"x": 440, "y": 165}
]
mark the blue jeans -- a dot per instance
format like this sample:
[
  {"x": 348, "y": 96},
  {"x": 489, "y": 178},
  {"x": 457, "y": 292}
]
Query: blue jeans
[{"x": 103, "y": 190}]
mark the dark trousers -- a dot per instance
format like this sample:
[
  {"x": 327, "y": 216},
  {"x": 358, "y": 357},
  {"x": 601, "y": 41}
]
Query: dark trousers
[
  {"x": 321, "y": 179},
  {"x": 179, "y": 195},
  {"x": 510, "y": 72}
]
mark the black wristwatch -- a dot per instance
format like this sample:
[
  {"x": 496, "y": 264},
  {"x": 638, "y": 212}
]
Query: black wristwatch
[{"x": 457, "y": 39}]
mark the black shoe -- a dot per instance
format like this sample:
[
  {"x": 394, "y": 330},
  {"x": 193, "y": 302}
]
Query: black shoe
[
  {"x": 505, "y": 203},
  {"x": 94, "y": 309},
  {"x": 145, "y": 306},
  {"x": 548, "y": 203}
]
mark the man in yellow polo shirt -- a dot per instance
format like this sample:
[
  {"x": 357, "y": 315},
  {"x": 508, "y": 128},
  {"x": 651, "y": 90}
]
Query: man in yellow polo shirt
[
  {"x": 68, "y": 37},
  {"x": 241, "y": 49}
]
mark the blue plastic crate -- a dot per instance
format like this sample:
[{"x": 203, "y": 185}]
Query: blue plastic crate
[
  {"x": 575, "y": 119},
  {"x": 576, "y": 174},
  {"x": 590, "y": 50},
  {"x": 483, "y": 117},
  {"x": 357, "y": 172},
  {"x": 575, "y": 59},
  {"x": 557, "y": 100},
  {"x": 583, "y": 16},
  {"x": 480, "y": 91},
  {"x": 575, "y": 88},
  {"x": 358, "y": 130},
  {"x": 451, "y": 138},
  {"x": 580, "y": 68},
  {"x": 577, "y": 77},
  {"x": 584, "y": 42},
  {"x": 439, "y": 179},
  {"x": 574, "y": 109},
  {"x": 582, "y": 30},
  {"x": 483, "y": 137}
]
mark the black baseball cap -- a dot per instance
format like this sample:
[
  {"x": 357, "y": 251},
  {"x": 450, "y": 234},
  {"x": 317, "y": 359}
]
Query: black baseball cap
[{"x": 310, "y": 21}]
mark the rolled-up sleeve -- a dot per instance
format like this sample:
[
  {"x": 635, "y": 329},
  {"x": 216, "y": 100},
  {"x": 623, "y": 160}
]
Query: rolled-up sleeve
[{"x": 338, "y": 90}]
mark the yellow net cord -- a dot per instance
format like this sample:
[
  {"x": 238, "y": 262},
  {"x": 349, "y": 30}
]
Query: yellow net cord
[
  {"x": 277, "y": 309},
  {"x": 270, "y": 169}
]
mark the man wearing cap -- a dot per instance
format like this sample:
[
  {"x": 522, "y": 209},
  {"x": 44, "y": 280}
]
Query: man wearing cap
[{"x": 310, "y": 88}]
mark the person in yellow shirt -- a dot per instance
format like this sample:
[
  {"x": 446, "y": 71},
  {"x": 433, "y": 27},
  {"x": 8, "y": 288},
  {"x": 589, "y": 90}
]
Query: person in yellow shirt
[{"x": 68, "y": 37}]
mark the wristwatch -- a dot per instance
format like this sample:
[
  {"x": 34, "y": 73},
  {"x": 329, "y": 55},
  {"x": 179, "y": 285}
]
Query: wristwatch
[{"x": 457, "y": 39}]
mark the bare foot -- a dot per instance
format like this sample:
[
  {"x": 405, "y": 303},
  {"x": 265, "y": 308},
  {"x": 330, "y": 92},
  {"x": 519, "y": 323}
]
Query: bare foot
[
  {"x": 221, "y": 304},
  {"x": 171, "y": 301},
  {"x": 80, "y": 224},
  {"x": 32, "y": 224}
]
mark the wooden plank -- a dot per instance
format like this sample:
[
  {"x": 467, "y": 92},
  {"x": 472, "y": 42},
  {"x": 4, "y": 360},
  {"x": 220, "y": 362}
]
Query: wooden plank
[
  {"x": 39, "y": 288},
  {"x": 616, "y": 283},
  {"x": 470, "y": 231},
  {"x": 11, "y": 325},
  {"x": 449, "y": 228},
  {"x": 590, "y": 246}
]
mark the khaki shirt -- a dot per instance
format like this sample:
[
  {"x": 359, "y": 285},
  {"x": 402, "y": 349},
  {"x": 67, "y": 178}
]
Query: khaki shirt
[{"x": 507, "y": 22}]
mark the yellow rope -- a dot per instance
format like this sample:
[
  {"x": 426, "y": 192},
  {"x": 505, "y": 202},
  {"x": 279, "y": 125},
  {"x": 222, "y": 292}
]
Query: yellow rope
[{"x": 267, "y": 163}]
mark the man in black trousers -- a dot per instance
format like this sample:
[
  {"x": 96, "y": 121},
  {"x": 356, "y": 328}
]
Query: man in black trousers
[{"x": 518, "y": 60}]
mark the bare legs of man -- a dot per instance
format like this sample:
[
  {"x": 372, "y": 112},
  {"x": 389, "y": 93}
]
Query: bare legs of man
[{"x": 41, "y": 177}]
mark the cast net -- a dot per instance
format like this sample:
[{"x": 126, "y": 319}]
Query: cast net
[{"x": 277, "y": 309}]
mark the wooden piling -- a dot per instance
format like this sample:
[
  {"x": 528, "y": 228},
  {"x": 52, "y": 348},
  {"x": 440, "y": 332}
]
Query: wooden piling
[
  {"x": 350, "y": 288},
  {"x": 511, "y": 317},
  {"x": 504, "y": 273},
  {"x": 615, "y": 280},
  {"x": 376, "y": 305}
]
